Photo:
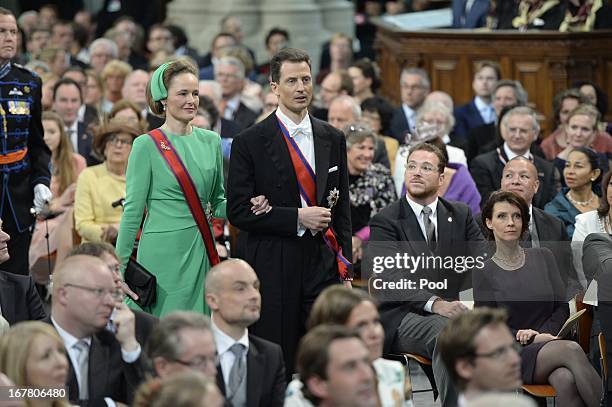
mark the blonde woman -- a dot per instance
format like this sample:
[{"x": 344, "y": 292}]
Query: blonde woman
[
  {"x": 33, "y": 355},
  {"x": 66, "y": 165}
]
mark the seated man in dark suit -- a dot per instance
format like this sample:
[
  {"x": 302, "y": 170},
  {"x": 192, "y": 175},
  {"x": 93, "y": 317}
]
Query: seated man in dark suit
[
  {"x": 545, "y": 230},
  {"x": 230, "y": 74},
  {"x": 470, "y": 14},
  {"x": 232, "y": 293},
  {"x": 414, "y": 87},
  {"x": 19, "y": 300},
  {"x": 428, "y": 224},
  {"x": 106, "y": 252},
  {"x": 597, "y": 261},
  {"x": 480, "y": 333},
  {"x": 479, "y": 110},
  {"x": 104, "y": 364},
  {"x": 519, "y": 129},
  {"x": 485, "y": 138},
  {"x": 183, "y": 340}
]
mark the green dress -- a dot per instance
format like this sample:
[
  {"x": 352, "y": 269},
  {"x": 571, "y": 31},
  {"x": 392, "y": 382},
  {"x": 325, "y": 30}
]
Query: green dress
[{"x": 171, "y": 246}]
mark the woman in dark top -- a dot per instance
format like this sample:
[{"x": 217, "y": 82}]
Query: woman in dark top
[
  {"x": 526, "y": 282},
  {"x": 371, "y": 187},
  {"x": 582, "y": 172}
]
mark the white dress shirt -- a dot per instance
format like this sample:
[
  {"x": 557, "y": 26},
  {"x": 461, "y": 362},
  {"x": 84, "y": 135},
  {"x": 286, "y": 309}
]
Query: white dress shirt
[
  {"x": 411, "y": 116},
  {"x": 69, "y": 342},
  {"x": 226, "y": 358},
  {"x": 302, "y": 135},
  {"x": 511, "y": 154},
  {"x": 73, "y": 134},
  {"x": 486, "y": 110},
  {"x": 230, "y": 107},
  {"x": 418, "y": 212}
]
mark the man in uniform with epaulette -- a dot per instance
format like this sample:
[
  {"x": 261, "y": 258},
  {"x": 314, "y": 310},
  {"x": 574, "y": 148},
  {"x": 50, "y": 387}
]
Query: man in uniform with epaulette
[{"x": 24, "y": 156}]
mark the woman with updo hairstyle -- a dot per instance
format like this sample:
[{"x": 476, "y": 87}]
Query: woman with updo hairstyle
[
  {"x": 32, "y": 354},
  {"x": 355, "y": 309},
  {"x": 184, "y": 389},
  {"x": 171, "y": 245}
]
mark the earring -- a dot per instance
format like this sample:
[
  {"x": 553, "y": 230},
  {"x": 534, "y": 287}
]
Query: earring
[{"x": 163, "y": 106}]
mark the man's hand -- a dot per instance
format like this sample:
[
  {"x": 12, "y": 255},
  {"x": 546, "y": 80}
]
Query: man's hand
[
  {"x": 42, "y": 197},
  {"x": 315, "y": 218},
  {"x": 448, "y": 309},
  {"x": 525, "y": 335},
  {"x": 125, "y": 323},
  {"x": 260, "y": 205}
]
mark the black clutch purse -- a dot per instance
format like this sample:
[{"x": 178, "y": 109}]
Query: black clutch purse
[{"x": 143, "y": 283}]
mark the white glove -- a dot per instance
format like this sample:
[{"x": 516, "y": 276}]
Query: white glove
[{"x": 42, "y": 196}]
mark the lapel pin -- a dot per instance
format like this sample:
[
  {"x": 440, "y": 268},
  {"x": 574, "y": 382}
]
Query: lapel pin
[{"x": 450, "y": 219}]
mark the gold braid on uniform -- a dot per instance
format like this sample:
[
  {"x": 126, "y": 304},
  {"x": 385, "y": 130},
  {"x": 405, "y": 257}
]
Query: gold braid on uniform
[
  {"x": 584, "y": 19},
  {"x": 528, "y": 11}
]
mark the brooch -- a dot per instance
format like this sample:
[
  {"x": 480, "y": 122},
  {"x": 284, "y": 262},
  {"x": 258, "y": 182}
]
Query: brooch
[
  {"x": 209, "y": 212},
  {"x": 333, "y": 197},
  {"x": 164, "y": 146}
]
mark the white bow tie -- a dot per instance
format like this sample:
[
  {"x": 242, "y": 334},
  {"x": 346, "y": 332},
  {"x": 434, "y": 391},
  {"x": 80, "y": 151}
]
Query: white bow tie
[{"x": 301, "y": 129}]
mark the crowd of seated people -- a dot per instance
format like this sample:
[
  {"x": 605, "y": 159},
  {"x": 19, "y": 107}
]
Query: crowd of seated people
[{"x": 94, "y": 99}]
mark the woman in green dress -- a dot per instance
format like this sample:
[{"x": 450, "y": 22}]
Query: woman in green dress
[{"x": 171, "y": 245}]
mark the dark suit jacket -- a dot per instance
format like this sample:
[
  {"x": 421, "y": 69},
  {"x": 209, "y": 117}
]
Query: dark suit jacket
[
  {"x": 229, "y": 128},
  {"x": 398, "y": 223},
  {"x": 482, "y": 139},
  {"x": 19, "y": 299},
  {"x": 552, "y": 234},
  {"x": 260, "y": 165},
  {"x": 597, "y": 258},
  {"x": 109, "y": 375},
  {"x": 399, "y": 125},
  {"x": 487, "y": 169},
  {"x": 244, "y": 116},
  {"x": 265, "y": 374},
  {"x": 467, "y": 117},
  {"x": 475, "y": 18},
  {"x": 154, "y": 122}
]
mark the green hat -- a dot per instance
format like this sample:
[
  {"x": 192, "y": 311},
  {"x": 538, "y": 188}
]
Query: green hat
[{"x": 158, "y": 89}]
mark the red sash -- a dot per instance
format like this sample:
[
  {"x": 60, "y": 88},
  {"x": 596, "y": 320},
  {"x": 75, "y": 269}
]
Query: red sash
[
  {"x": 307, "y": 185},
  {"x": 191, "y": 194}
]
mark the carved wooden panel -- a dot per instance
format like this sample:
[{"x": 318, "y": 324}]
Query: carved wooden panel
[{"x": 544, "y": 62}]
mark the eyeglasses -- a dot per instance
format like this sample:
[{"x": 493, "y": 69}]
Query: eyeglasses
[
  {"x": 500, "y": 352},
  {"x": 116, "y": 295},
  {"x": 120, "y": 141},
  {"x": 425, "y": 168},
  {"x": 200, "y": 362}
]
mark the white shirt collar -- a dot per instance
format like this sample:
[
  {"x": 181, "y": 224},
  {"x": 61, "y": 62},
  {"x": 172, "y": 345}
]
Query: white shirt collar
[
  {"x": 418, "y": 208},
  {"x": 461, "y": 400},
  {"x": 408, "y": 111},
  {"x": 68, "y": 339},
  {"x": 305, "y": 126},
  {"x": 511, "y": 154},
  {"x": 224, "y": 341},
  {"x": 233, "y": 103},
  {"x": 481, "y": 105}
]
